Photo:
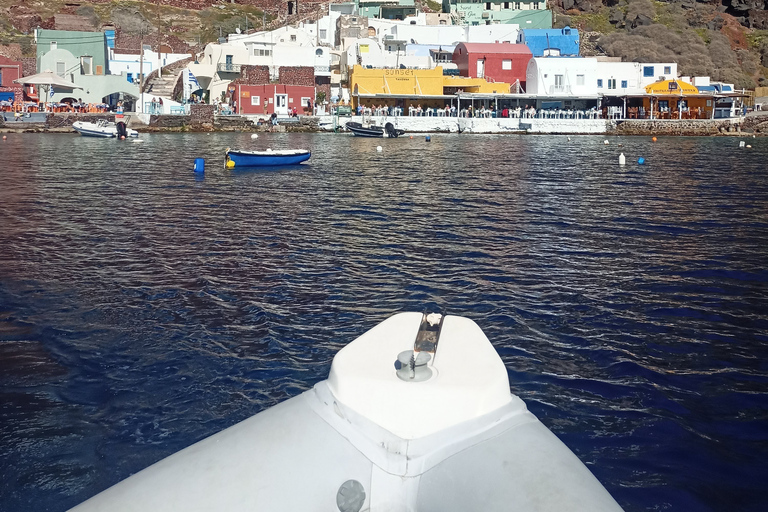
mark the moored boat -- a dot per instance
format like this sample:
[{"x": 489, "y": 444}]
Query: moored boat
[
  {"x": 416, "y": 414},
  {"x": 104, "y": 129},
  {"x": 386, "y": 131},
  {"x": 268, "y": 158}
]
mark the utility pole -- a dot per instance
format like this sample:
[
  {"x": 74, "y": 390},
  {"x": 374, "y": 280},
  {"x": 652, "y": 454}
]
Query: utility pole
[{"x": 141, "y": 71}]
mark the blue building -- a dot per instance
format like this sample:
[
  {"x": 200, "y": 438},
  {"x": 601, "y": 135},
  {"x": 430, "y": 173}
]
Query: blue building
[{"x": 550, "y": 42}]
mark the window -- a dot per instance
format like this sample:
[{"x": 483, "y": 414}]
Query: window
[
  {"x": 255, "y": 101},
  {"x": 506, "y": 5},
  {"x": 323, "y": 33},
  {"x": 305, "y": 101},
  {"x": 611, "y": 83},
  {"x": 260, "y": 52},
  {"x": 623, "y": 84},
  {"x": 60, "y": 68},
  {"x": 517, "y": 5},
  {"x": 599, "y": 83},
  {"x": 667, "y": 70},
  {"x": 54, "y": 45},
  {"x": 487, "y": 6},
  {"x": 293, "y": 37},
  {"x": 86, "y": 65},
  {"x": 506, "y": 64},
  {"x": 648, "y": 71},
  {"x": 579, "y": 79},
  {"x": 319, "y": 52},
  {"x": 363, "y": 48},
  {"x": 129, "y": 77}
]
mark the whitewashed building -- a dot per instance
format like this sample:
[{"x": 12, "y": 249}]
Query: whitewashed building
[{"x": 569, "y": 77}]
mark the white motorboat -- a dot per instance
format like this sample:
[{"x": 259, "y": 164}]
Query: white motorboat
[
  {"x": 102, "y": 128},
  {"x": 416, "y": 415}
]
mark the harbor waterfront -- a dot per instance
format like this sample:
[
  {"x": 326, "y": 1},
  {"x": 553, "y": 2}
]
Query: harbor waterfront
[
  {"x": 756, "y": 124},
  {"x": 145, "y": 307}
]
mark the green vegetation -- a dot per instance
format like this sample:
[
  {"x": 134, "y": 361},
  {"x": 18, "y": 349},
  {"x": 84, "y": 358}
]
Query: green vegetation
[
  {"x": 435, "y": 6},
  {"x": 703, "y": 34},
  {"x": 594, "y": 22}
]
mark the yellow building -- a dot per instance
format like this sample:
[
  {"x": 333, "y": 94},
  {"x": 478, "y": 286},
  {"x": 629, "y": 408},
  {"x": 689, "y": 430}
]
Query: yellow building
[
  {"x": 675, "y": 99},
  {"x": 427, "y": 88}
]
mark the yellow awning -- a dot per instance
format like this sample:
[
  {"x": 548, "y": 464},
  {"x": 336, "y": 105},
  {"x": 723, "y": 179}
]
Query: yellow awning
[{"x": 671, "y": 87}]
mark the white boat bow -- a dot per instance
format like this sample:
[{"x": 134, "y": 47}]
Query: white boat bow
[{"x": 416, "y": 415}]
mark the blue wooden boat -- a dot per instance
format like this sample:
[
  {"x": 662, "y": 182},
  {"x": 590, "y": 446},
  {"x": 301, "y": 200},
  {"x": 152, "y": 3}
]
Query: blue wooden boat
[{"x": 268, "y": 158}]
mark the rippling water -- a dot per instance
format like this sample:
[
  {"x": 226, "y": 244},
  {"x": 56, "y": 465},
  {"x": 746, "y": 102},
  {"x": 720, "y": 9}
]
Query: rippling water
[{"x": 143, "y": 308}]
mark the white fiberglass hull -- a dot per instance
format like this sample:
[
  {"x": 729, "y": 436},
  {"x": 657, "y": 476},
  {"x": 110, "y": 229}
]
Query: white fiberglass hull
[
  {"x": 108, "y": 130},
  {"x": 368, "y": 439}
]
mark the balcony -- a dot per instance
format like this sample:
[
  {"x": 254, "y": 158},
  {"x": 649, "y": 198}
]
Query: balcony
[
  {"x": 323, "y": 70},
  {"x": 228, "y": 67},
  {"x": 559, "y": 89}
]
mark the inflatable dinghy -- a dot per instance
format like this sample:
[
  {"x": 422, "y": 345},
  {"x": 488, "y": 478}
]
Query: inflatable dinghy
[{"x": 416, "y": 415}]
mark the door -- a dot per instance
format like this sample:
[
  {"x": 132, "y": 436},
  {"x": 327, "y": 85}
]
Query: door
[
  {"x": 281, "y": 104},
  {"x": 480, "y": 68},
  {"x": 229, "y": 66}
]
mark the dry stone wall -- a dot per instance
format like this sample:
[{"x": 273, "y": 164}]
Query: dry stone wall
[
  {"x": 297, "y": 75},
  {"x": 675, "y": 127}
]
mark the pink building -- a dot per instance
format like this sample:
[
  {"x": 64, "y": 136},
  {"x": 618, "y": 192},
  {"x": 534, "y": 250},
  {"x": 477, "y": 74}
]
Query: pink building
[
  {"x": 273, "y": 98},
  {"x": 496, "y": 62}
]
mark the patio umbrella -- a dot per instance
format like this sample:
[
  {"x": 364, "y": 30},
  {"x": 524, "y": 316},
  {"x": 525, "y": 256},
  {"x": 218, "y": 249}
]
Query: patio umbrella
[{"x": 49, "y": 79}]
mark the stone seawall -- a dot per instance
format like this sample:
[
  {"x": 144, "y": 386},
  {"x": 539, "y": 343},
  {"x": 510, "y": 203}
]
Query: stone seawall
[{"x": 674, "y": 126}]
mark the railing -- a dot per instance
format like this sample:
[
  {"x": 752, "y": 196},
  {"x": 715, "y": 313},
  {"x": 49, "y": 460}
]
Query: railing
[
  {"x": 322, "y": 69},
  {"x": 153, "y": 108},
  {"x": 561, "y": 89},
  {"x": 228, "y": 67}
]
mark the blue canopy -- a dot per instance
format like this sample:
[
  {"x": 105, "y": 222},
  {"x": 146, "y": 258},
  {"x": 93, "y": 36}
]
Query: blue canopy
[{"x": 6, "y": 96}]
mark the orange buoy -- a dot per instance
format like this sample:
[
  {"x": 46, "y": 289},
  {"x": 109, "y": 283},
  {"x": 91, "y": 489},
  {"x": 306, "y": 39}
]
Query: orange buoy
[{"x": 654, "y": 139}]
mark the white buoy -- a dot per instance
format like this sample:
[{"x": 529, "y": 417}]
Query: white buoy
[
  {"x": 605, "y": 142},
  {"x": 749, "y": 145},
  {"x": 379, "y": 149},
  {"x": 742, "y": 144},
  {"x": 569, "y": 139},
  {"x": 254, "y": 135},
  {"x": 269, "y": 149},
  {"x": 622, "y": 159}
]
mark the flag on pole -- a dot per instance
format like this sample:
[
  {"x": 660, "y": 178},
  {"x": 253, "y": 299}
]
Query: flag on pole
[{"x": 193, "y": 81}]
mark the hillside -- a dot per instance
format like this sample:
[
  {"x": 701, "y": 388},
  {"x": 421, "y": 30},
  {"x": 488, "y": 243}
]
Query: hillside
[{"x": 725, "y": 39}]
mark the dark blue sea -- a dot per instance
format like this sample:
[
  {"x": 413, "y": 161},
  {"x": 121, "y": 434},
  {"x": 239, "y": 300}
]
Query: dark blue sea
[{"x": 144, "y": 307}]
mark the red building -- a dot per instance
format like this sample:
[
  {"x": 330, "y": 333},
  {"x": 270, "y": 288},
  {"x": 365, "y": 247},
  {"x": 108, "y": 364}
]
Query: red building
[
  {"x": 496, "y": 62},
  {"x": 273, "y": 98},
  {"x": 10, "y": 70}
]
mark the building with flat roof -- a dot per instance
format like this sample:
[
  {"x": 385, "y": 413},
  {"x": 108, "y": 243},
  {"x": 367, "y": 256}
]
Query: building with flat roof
[
  {"x": 494, "y": 62},
  {"x": 550, "y": 42},
  {"x": 527, "y": 14}
]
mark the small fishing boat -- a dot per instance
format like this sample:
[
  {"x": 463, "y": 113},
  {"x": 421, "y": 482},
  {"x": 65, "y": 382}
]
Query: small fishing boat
[
  {"x": 102, "y": 128},
  {"x": 268, "y": 158},
  {"x": 416, "y": 414},
  {"x": 386, "y": 131}
]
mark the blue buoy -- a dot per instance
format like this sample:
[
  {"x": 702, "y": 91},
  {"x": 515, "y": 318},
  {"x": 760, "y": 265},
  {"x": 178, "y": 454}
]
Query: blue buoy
[
  {"x": 640, "y": 161},
  {"x": 199, "y": 164},
  {"x": 428, "y": 138}
]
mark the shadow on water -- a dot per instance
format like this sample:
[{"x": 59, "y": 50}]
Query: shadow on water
[{"x": 144, "y": 306}]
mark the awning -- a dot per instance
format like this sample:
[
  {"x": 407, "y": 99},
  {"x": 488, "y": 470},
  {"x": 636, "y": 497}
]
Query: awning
[
  {"x": 671, "y": 88},
  {"x": 48, "y": 78},
  {"x": 406, "y": 96}
]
